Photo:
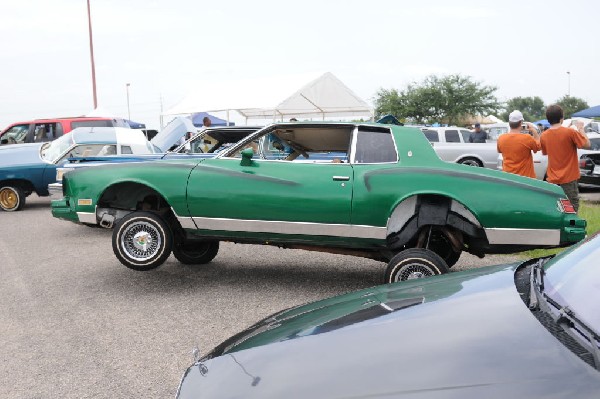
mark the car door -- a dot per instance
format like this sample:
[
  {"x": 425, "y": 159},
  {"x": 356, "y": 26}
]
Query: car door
[
  {"x": 377, "y": 186},
  {"x": 271, "y": 196}
]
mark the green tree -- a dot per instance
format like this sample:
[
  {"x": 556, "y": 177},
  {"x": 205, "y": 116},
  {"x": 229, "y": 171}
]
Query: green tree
[
  {"x": 388, "y": 102},
  {"x": 570, "y": 105},
  {"x": 532, "y": 108},
  {"x": 445, "y": 99}
]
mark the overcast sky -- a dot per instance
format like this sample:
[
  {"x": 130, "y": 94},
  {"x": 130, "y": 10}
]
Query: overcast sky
[{"x": 164, "y": 48}]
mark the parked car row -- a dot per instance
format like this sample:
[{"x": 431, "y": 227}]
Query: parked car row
[{"x": 31, "y": 168}]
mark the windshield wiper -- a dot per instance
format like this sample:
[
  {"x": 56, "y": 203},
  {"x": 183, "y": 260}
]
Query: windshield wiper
[
  {"x": 536, "y": 283},
  {"x": 569, "y": 320}
]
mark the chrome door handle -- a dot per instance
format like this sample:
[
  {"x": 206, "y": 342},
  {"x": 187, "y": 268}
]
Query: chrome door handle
[{"x": 341, "y": 178}]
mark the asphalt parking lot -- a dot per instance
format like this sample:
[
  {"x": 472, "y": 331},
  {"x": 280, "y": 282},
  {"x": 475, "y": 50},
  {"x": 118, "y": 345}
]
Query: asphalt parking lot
[{"x": 75, "y": 323}]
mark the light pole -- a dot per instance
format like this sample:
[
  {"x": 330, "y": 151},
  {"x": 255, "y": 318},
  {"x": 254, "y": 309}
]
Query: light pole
[
  {"x": 92, "y": 55},
  {"x": 569, "y": 82},
  {"x": 128, "y": 111}
]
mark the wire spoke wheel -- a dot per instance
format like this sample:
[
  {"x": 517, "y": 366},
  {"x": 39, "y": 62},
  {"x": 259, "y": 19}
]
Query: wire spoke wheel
[
  {"x": 11, "y": 198},
  {"x": 414, "y": 263},
  {"x": 142, "y": 241}
]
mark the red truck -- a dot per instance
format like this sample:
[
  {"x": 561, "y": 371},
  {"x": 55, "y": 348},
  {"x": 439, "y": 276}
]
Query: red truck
[{"x": 41, "y": 130}]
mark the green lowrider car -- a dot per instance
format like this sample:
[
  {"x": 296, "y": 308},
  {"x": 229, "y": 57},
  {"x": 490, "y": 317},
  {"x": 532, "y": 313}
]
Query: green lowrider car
[{"x": 371, "y": 190}]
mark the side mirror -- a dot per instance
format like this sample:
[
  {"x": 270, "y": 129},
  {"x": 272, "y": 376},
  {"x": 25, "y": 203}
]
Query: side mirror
[{"x": 247, "y": 155}]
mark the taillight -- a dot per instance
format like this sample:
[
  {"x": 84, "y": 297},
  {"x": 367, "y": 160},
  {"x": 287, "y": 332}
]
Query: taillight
[
  {"x": 566, "y": 206},
  {"x": 582, "y": 163}
]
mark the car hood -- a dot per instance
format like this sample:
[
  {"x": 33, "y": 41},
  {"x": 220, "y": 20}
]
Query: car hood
[
  {"x": 463, "y": 335},
  {"x": 20, "y": 154},
  {"x": 171, "y": 134}
]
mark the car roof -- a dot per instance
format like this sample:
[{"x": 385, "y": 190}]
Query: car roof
[{"x": 107, "y": 135}]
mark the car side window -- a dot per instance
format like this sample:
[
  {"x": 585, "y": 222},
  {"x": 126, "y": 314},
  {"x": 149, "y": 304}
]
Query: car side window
[
  {"x": 319, "y": 144},
  {"x": 452, "y": 136},
  {"x": 39, "y": 134},
  {"x": 126, "y": 149},
  {"x": 15, "y": 135},
  {"x": 432, "y": 136},
  {"x": 375, "y": 146},
  {"x": 90, "y": 150},
  {"x": 465, "y": 135}
]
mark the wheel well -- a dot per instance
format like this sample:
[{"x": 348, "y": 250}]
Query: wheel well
[
  {"x": 123, "y": 198},
  {"x": 422, "y": 212},
  {"x": 25, "y": 185}
]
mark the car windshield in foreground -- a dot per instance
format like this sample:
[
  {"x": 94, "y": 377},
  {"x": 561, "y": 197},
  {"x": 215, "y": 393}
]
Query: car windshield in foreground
[
  {"x": 572, "y": 279},
  {"x": 595, "y": 144},
  {"x": 56, "y": 148}
]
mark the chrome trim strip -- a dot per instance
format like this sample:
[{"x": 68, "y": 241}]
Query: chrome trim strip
[
  {"x": 301, "y": 228},
  {"x": 186, "y": 223},
  {"x": 499, "y": 236},
  {"x": 87, "y": 217}
]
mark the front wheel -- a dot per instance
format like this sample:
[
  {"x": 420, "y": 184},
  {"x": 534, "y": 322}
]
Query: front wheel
[
  {"x": 12, "y": 198},
  {"x": 195, "y": 254},
  {"x": 142, "y": 241},
  {"x": 414, "y": 263}
]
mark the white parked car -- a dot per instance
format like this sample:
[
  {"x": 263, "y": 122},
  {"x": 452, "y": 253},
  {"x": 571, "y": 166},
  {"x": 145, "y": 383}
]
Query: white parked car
[{"x": 452, "y": 145}]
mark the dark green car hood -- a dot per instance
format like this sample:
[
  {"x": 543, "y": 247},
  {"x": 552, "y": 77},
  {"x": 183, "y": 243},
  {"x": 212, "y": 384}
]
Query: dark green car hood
[{"x": 453, "y": 336}]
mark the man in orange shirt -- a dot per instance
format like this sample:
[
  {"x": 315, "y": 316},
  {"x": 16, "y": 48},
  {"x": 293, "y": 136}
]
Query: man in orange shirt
[
  {"x": 560, "y": 144},
  {"x": 516, "y": 147}
]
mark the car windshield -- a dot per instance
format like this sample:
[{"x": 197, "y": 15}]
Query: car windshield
[
  {"x": 595, "y": 144},
  {"x": 573, "y": 279},
  {"x": 52, "y": 151}
]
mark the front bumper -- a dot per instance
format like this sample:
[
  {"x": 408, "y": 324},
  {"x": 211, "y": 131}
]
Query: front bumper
[
  {"x": 61, "y": 209},
  {"x": 55, "y": 190}
]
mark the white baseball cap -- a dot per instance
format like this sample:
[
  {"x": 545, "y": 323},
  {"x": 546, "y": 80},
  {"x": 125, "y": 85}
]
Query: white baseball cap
[{"x": 515, "y": 116}]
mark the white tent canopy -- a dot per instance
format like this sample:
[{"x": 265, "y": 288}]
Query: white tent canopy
[{"x": 323, "y": 97}]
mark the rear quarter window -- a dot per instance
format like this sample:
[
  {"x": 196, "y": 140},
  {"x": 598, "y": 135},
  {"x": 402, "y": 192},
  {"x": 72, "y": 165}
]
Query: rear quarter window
[
  {"x": 432, "y": 136},
  {"x": 375, "y": 146}
]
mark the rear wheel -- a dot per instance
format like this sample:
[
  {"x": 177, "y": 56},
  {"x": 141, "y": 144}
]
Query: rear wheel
[
  {"x": 441, "y": 245},
  {"x": 414, "y": 263},
  {"x": 191, "y": 253},
  {"x": 12, "y": 198},
  {"x": 142, "y": 241}
]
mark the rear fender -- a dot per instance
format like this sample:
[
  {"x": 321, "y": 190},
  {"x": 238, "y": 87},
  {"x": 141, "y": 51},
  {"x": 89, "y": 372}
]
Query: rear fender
[{"x": 417, "y": 211}]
